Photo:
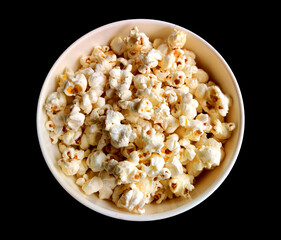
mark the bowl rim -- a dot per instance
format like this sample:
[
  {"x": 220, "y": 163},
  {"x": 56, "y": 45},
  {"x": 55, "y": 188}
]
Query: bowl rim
[{"x": 124, "y": 215}]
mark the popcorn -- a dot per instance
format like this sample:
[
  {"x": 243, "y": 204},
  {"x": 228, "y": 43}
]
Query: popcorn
[
  {"x": 100, "y": 103},
  {"x": 194, "y": 167},
  {"x": 80, "y": 181},
  {"x": 174, "y": 165},
  {"x": 71, "y": 153},
  {"x": 108, "y": 185},
  {"x": 63, "y": 78},
  {"x": 134, "y": 157},
  {"x": 95, "y": 160},
  {"x": 222, "y": 130},
  {"x": 148, "y": 187},
  {"x": 71, "y": 137},
  {"x": 112, "y": 118},
  {"x": 201, "y": 76},
  {"x": 172, "y": 143},
  {"x": 57, "y": 122},
  {"x": 200, "y": 92},
  {"x": 213, "y": 100},
  {"x": 120, "y": 135},
  {"x": 87, "y": 61},
  {"x": 86, "y": 71},
  {"x": 70, "y": 163},
  {"x": 140, "y": 81},
  {"x": 141, "y": 107},
  {"x": 138, "y": 121},
  {"x": 91, "y": 135},
  {"x": 150, "y": 60},
  {"x": 97, "y": 81},
  {"x": 168, "y": 122},
  {"x": 168, "y": 62},
  {"x": 161, "y": 113},
  {"x": 83, "y": 167},
  {"x": 163, "y": 192},
  {"x": 75, "y": 119},
  {"x": 50, "y": 126},
  {"x": 156, "y": 164},
  {"x": 150, "y": 94},
  {"x": 191, "y": 71},
  {"x": 161, "y": 74},
  {"x": 121, "y": 80},
  {"x": 153, "y": 141},
  {"x": 56, "y": 101},
  {"x": 86, "y": 103},
  {"x": 192, "y": 84},
  {"x": 187, "y": 107},
  {"x": 137, "y": 43},
  {"x": 187, "y": 151},
  {"x": 176, "y": 39},
  {"x": 209, "y": 152},
  {"x": 209, "y": 156},
  {"x": 117, "y": 44},
  {"x": 92, "y": 185},
  {"x": 176, "y": 79},
  {"x": 98, "y": 114},
  {"x": 164, "y": 174},
  {"x": 211, "y": 142},
  {"x": 126, "y": 151},
  {"x": 171, "y": 96},
  {"x": 149, "y": 81},
  {"x": 110, "y": 165},
  {"x": 127, "y": 172},
  {"x": 195, "y": 128},
  {"x": 76, "y": 85},
  {"x": 129, "y": 197},
  {"x": 103, "y": 59},
  {"x": 181, "y": 185}
]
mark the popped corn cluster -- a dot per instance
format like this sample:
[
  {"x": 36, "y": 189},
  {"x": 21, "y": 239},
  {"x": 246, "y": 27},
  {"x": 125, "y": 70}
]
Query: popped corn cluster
[{"x": 139, "y": 121}]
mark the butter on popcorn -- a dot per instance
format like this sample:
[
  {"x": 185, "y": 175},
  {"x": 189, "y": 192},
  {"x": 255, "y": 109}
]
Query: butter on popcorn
[
  {"x": 75, "y": 85},
  {"x": 139, "y": 121}
]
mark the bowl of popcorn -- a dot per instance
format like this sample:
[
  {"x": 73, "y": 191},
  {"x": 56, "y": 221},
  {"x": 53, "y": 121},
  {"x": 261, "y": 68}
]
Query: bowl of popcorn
[{"x": 140, "y": 120}]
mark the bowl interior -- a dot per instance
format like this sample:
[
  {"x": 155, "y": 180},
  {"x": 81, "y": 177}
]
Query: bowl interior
[{"x": 206, "y": 57}]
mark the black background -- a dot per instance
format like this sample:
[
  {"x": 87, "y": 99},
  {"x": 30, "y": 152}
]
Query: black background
[{"x": 40, "y": 35}]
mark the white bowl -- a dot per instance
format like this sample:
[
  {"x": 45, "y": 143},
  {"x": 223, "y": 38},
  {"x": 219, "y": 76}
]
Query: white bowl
[{"x": 206, "y": 56}]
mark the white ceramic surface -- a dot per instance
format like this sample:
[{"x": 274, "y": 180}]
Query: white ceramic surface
[{"x": 206, "y": 56}]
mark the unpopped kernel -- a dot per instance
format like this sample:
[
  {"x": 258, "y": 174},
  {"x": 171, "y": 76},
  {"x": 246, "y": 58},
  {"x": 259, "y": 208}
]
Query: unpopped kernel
[{"x": 138, "y": 121}]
